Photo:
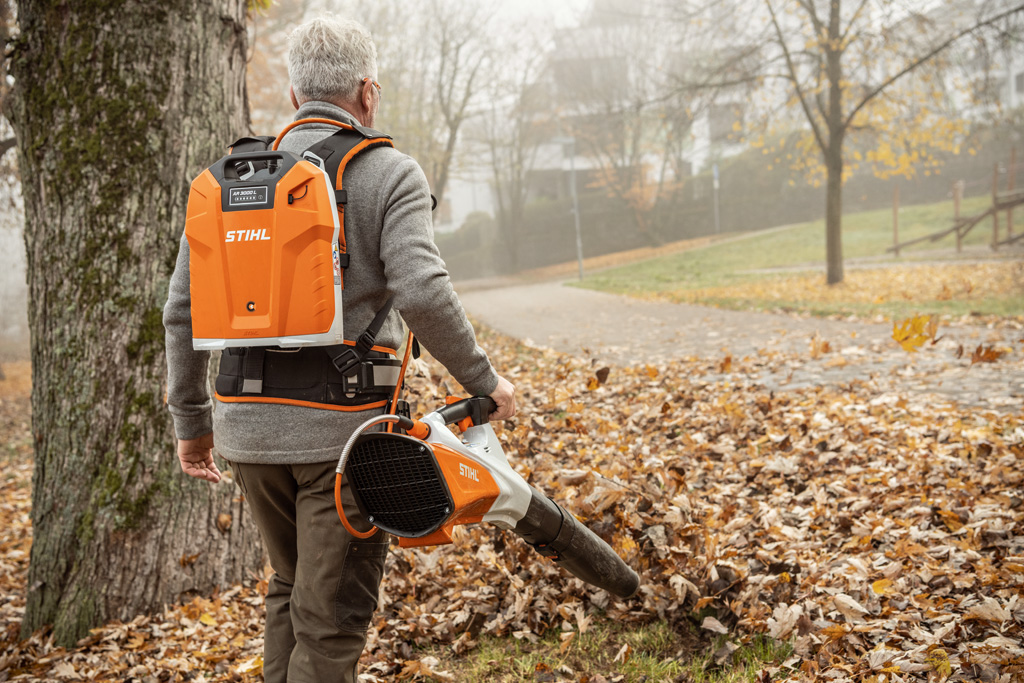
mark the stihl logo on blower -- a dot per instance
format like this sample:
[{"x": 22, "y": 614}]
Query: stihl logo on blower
[
  {"x": 420, "y": 485},
  {"x": 468, "y": 472}
]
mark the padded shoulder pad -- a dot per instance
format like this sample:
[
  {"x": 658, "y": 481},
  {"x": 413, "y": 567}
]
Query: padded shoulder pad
[
  {"x": 370, "y": 132},
  {"x": 259, "y": 143}
]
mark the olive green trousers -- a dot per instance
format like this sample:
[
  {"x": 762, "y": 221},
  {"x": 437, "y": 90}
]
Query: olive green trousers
[{"x": 325, "y": 583}]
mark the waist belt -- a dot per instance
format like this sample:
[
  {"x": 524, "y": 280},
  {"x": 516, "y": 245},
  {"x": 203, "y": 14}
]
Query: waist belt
[{"x": 306, "y": 375}]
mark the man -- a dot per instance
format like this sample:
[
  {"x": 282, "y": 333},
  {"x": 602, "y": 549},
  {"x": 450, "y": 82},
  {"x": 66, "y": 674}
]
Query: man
[{"x": 325, "y": 583}]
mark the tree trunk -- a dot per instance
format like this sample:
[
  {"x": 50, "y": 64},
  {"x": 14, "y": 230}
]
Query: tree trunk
[
  {"x": 834, "y": 213},
  {"x": 834, "y": 150},
  {"x": 117, "y": 105}
]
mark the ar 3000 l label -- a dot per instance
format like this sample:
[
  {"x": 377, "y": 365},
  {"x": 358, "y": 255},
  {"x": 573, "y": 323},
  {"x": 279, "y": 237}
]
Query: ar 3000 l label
[{"x": 247, "y": 196}]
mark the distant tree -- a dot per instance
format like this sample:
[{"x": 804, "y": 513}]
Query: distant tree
[
  {"x": 267, "y": 70},
  {"x": 117, "y": 106},
  {"x": 434, "y": 62},
  {"x": 848, "y": 66},
  {"x": 620, "y": 97},
  {"x": 509, "y": 131}
]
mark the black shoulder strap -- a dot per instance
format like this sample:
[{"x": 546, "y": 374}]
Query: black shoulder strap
[
  {"x": 334, "y": 152},
  {"x": 338, "y": 149},
  {"x": 348, "y": 357}
]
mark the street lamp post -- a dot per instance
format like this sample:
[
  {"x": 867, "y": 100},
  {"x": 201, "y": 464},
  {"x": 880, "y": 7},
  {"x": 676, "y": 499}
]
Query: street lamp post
[
  {"x": 714, "y": 169},
  {"x": 571, "y": 142}
]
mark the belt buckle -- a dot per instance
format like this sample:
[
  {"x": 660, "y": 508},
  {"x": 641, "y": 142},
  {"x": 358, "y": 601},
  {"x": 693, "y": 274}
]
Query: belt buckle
[{"x": 361, "y": 378}]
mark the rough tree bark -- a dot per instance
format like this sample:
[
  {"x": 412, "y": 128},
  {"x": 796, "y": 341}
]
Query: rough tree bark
[{"x": 116, "y": 106}]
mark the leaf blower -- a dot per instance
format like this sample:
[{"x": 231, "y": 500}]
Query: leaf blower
[{"x": 420, "y": 484}]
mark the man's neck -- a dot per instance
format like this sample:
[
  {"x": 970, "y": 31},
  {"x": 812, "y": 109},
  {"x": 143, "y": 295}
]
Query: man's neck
[{"x": 328, "y": 110}]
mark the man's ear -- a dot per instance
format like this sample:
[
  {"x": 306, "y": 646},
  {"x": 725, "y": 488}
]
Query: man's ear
[
  {"x": 366, "y": 97},
  {"x": 291, "y": 94}
]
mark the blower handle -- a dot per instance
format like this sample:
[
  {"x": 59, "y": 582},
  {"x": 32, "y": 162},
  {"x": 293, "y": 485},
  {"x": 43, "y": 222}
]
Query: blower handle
[{"x": 476, "y": 409}]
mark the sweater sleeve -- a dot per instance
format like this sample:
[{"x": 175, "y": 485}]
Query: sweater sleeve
[
  {"x": 188, "y": 393},
  {"x": 418, "y": 279}
]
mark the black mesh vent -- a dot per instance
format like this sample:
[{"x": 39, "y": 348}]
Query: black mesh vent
[{"x": 397, "y": 482}]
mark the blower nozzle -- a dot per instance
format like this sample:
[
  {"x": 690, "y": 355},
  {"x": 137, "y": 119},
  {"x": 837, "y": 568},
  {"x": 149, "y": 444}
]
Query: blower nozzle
[{"x": 557, "y": 534}]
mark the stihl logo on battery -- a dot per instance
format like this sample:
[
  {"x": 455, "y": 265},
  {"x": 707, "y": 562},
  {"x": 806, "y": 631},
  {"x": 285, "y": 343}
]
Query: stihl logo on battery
[
  {"x": 255, "y": 235},
  {"x": 468, "y": 472}
]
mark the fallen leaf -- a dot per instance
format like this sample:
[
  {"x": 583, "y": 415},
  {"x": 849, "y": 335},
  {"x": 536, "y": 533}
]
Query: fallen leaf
[
  {"x": 252, "y": 666},
  {"x": 850, "y": 608},
  {"x": 912, "y": 333},
  {"x": 988, "y": 610},
  {"x": 986, "y": 354},
  {"x": 714, "y": 625}
]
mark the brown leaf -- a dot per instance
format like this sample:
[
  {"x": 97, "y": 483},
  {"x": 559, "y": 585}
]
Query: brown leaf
[
  {"x": 986, "y": 354},
  {"x": 223, "y": 522},
  {"x": 188, "y": 560},
  {"x": 602, "y": 375}
]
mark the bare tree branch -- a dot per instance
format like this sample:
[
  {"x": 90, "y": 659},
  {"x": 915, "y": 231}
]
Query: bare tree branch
[
  {"x": 850, "y": 25},
  {"x": 924, "y": 58},
  {"x": 808, "y": 6},
  {"x": 794, "y": 78},
  {"x": 6, "y": 145}
]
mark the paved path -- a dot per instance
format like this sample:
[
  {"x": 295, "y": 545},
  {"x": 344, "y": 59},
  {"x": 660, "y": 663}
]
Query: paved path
[{"x": 622, "y": 330}]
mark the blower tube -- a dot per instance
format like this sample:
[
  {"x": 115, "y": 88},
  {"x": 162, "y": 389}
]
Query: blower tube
[{"x": 556, "y": 534}]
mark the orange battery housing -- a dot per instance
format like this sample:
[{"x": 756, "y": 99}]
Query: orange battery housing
[{"x": 264, "y": 250}]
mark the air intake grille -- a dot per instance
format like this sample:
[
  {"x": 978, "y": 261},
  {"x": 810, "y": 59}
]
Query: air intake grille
[{"x": 397, "y": 482}]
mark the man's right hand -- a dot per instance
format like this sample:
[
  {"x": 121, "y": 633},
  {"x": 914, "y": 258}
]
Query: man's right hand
[
  {"x": 504, "y": 396},
  {"x": 196, "y": 458}
]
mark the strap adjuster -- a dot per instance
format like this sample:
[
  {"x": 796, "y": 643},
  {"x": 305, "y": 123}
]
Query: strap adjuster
[
  {"x": 345, "y": 361},
  {"x": 353, "y": 355}
]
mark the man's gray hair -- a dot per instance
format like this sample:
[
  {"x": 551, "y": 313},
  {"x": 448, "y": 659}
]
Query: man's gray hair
[{"x": 328, "y": 57}]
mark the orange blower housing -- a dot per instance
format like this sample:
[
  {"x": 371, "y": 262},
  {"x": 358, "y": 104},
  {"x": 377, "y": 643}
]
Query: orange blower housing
[
  {"x": 264, "y": 248},
  {"x": 387, "y": 471}
]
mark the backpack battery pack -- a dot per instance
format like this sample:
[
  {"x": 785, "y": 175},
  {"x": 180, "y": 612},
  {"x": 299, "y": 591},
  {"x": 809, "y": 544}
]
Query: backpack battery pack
[{"x": 265, "y": 250}]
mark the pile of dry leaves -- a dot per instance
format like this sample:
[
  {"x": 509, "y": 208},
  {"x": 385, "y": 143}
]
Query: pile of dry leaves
[{"x": 880, "y": 532}]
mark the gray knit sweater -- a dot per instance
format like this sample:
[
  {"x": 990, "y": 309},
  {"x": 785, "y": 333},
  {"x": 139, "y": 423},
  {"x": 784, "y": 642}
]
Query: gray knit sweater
[{"x": 390, "y": 240}]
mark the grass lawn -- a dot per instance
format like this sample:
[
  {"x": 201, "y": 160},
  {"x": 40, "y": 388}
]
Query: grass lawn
[
  {"x": 726, "y": 273},
  {"x": 611, "y": 652}
]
